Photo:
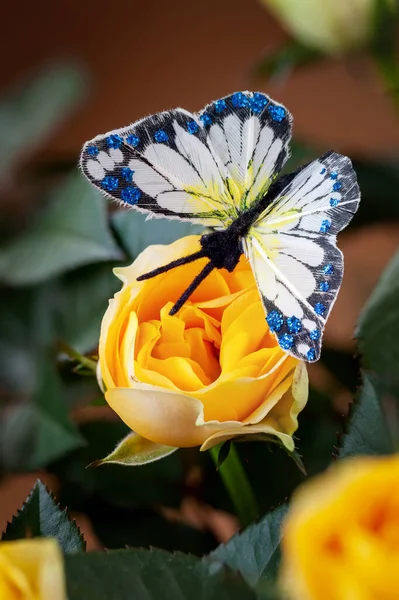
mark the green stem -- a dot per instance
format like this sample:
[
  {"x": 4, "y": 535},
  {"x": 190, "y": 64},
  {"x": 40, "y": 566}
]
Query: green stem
[
  {"x": 237, "y": 485},
  {"x": 74, "y": 355}
]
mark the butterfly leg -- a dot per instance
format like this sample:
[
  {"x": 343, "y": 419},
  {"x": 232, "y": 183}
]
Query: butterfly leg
[
  {"x": 192, "y": 287},
  {"x": 175, "y": 263}
]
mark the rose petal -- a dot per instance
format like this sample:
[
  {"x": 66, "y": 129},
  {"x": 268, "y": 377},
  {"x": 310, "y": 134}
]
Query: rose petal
[
  {"x": 262, "y": 427},
  {"x": 163, "y": 373},
  {"x": 163, "y": 417},
  {"x": 38, "y": 563}
]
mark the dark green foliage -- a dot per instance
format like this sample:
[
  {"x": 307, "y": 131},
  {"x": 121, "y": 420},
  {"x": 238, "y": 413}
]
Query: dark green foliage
[
  {"x": 39, "y": 430},
  {"x": 368, "y": 428},
  {"x": 150, "y": 575},
  {"x": 378, "y": 326},
  {"x": 41, "y": 517},
  {"x": 255, "y": 553},
  {"x": 72, "y": 232}
]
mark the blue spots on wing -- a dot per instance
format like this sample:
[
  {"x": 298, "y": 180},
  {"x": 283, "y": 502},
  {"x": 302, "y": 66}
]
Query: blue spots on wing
[
  {"x": 206, "y": 119},
  {"x": 277, "y": 113},
  {"x": 291, "y": 333},
  {"x": 239, "y": 100},
  {"x": 127, "y": 174},
  {"x": 258, "y": 102},
  {"x": 133, "y": 140},
  {"x": 161, "y": 136},
  {"x": 328, "y": 269},
  {"x": 192, "y": 127},
  {"x": 294, "y": 324},
  {"x": 320, "y": 309},
  {"x": 110, "y": 183},
  {"x": 131, "y": 195},
  {"x": 325, "y": 226},
  {"x": 220, "y": 106},
  {"x": 286, "y": 341},
  {"x": 92, "y": 150},
  {"x": 114, "y": 141},
  {"x": 315, "y": 335},
  {"x": 324, "y": 286},
  {"x": 275, "y": 320},
  {"x": 311, "y": 355}
]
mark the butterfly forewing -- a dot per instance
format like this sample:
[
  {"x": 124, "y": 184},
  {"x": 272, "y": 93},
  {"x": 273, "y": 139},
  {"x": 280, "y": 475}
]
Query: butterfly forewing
[
  {"x": 248, "y": 134},
  {"x": 293, "y": 252},
  {"x": 206, "y": 167},
  {"x": 160, "y": 164}
]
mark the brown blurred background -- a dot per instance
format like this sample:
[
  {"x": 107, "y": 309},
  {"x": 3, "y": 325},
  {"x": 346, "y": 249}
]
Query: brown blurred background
[{"x": 143, "y": 57}]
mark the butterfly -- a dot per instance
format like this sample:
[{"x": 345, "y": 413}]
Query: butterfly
[{"x": 219, "y": 168}]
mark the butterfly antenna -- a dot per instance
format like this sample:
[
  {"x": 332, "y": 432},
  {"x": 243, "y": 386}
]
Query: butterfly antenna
[
  {"x": 175, "y": 263},
  {"x": 193, "y": 286}
]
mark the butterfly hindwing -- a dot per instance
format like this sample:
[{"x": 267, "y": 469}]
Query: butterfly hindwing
[
  {"x": 293, "y": 252},
  {"x": 206, "y": 167}
]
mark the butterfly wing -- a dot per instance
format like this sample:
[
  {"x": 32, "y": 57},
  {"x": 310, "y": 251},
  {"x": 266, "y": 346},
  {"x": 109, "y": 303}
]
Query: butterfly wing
[
  {"x": 249, "y": 134},
  {"x": 293, "y": 252},
  {"x": 204, "y": 167},
  {"x": 160, "y": 165}
]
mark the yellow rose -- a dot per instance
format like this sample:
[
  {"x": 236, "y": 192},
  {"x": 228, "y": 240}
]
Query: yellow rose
[
  {"x": 31, "y": 570},
  {"x": 205, "y": 375},
  {"x": 341, "y": 537},
  {"x": 332, "y": 26}
]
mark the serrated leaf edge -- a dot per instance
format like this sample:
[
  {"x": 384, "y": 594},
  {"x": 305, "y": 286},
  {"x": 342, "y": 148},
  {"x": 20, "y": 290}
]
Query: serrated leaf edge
[{"x": 64, "y": 511}]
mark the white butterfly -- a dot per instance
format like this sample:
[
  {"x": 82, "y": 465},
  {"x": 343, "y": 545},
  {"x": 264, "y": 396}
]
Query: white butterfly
[{"x": 218, "y": 168}]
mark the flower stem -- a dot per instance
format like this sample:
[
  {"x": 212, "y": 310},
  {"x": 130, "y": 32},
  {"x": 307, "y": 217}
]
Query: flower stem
[
  {"x": 237, "y": 485},
  {"x": 89, "y": 363}
]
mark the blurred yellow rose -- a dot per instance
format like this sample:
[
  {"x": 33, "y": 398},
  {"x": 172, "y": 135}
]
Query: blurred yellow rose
[
  {"x": 31, "y": 570},
  {"x": 205, "y": 375},
  {"x": 332, "y": 26},
  {"x": 341, "y": 537}
]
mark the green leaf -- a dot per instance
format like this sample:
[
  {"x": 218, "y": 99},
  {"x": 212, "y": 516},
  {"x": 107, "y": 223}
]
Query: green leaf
[
  {"x": 32, "y": 110},
  {"x": 368, "y": 431},
  {"x": 70, "y": 233},
  {"x": 41, "y": 517},
  {"x": 25, "y": 327},
  {"x": 134, "y": 451},
  {"x": 150, "y": 575},
  {"x": 40, "y": 431},
  {"x": 378, "y": 325},
  {"x": 136, "y": 233},
  {"x": 255, "y": 552},
  {"x": 81, "y": 303}
]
